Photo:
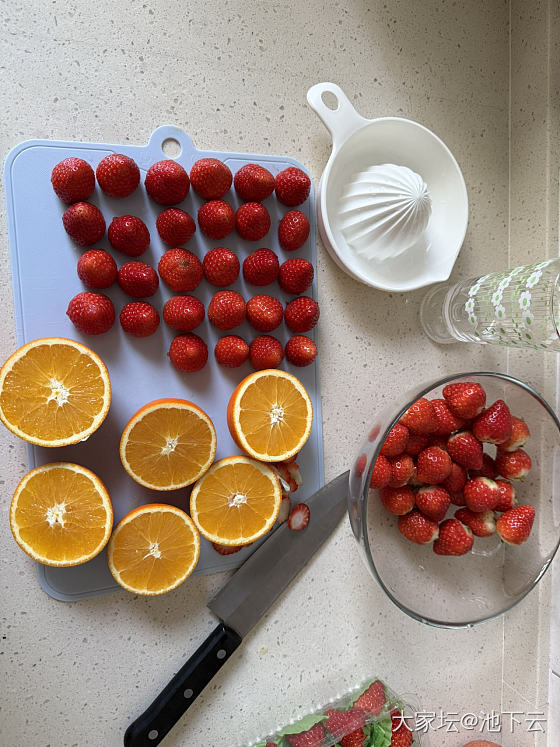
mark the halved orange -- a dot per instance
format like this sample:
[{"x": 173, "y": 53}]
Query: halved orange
[
  {"x": 236, "y": 502},
  {"x": 54, "y": 392},
  {"x": 61, "y": 514},
  {"x": 270, "y": 415},
  {"x": 168, "y": 444},
  {"x": 153, "y": 549}
]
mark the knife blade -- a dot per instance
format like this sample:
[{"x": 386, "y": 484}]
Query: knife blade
[{"x": 240, "y": 605}]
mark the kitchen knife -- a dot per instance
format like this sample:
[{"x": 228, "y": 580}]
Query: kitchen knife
[{"x": 239, "y": 606}]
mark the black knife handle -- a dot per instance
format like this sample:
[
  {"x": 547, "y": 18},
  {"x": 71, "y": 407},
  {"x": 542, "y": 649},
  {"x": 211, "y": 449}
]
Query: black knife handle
[{"x": 162, "y": 715}]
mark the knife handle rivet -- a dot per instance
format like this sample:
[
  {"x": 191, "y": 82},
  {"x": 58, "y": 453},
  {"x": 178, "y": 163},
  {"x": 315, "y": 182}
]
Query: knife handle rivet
[
  {"x": 153, "y": 735},
  {"x": 188, "y": 693},
  {"x": 222, "y": 653}
]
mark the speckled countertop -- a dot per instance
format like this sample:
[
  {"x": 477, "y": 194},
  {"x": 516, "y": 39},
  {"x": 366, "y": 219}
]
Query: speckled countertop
[{"x": 234, "y": 75}]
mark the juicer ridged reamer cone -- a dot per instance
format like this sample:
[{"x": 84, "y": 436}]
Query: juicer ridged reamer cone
[{"x": 384, "y": 211}]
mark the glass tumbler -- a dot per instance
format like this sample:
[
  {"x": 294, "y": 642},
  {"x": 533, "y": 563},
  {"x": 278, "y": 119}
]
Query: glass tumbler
[{"x": 517, "y": 307}]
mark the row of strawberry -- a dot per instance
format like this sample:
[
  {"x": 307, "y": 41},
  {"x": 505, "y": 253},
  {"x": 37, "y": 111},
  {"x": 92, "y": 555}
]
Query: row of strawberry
[
  {"x": 167, "y": 182},
  {"x": 434, "y": 458},
  {"x": 183, "y": 272}
]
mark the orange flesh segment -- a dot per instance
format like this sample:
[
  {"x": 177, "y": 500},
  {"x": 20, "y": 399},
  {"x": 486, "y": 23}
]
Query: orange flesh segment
[
  {"x": 154, "y": 550},
  {"x": 78, "y": 516},
  {"x": 169, "y": 446},
  {"x": 236, "y": 503},
  {"x": 28, "y": 397},
  {"x": 256, "y": 405}
]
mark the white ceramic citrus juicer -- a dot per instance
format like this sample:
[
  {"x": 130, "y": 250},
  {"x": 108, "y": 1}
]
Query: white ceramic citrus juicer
[{"x": 392, "y": 204}]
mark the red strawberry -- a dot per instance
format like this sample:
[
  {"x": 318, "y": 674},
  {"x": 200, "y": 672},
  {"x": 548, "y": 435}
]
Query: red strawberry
[
  {"x": 216, "y": 219},
  {"x": 313, "y": 737},
  {"x": 372, "y": 701},
  {"x": 433, "y": 501},
  {"x": 493, "y": 425},
  {"x": 507, "y": 498},
  {"x": 513, "y": 465},
  {"x": 138, "y": 279},
  {"x": 97, "y": 269},
  {"x": 252, "y": 221},
  {"x": 292, "y": 186},
  {"x": 446, "y": 421},
  {"x": 465, "y": 399},
  {"x": 139, "y": 319},
  {"x": 265, "y": 352},
  {"x": 221, "y": 267},
  {"x": 519, "y": 434},
  {"x": 439, "y": 441},
  {"x": 167, "y": 182},
  {"x": 299, "y": 517},
  {"x": 231, "y": 351},
  {"x": 416, "y": 443},
  {"x": 341, "y": 723},
  {"x": 458, "y": 498},
  {"x": 180, "y": 269},
  {"x": 382, "y": 473},
  {"x": 261, "y": 267},
  {"x": 92, "y": 313},
  {"x": 296, "y": 275},
  {"x": 402, "y": 470},
  {"x": 397, "y": 501},
  {"x": 183, "y": 313},
  {"x": 129, "y": 235},
  {"x": 73, "y": 180},
  {"x": 300, "y": 351},
  {"x": 84, "y": 223},
  {"x": 293, "y": 230},
  {"x": 253, "y": 183},
  {"x": 401, "y": 735},
  {"x": 481, "y": 494},
  {"x": 175, "y": 227},
  {"x": 514, "y": 526},
  {"x": 488, "y": 468},
  {"x": 418, "y": 528},
  {"x": 264, "y": 313},
  {"x": 118, "y": 175},
  {"x": 420, "y": 417},
  {"x": 481, "y": 524},
  {"x": 455, "y": 482},
  {"x": 188, "y": 352},
  {"x": 465, "y": 449},
  {"x": 302, "y": 314},
  {"x": 433, "y": 465},
  {"x": 226, "y": 310},
  {"x": 354, "y": 739},
  {"x": 210, "y": 178},
  {"x": 227, "y": 549},
  {"x": 454, "y": 538},
  {"x": 396, "y": 441}
]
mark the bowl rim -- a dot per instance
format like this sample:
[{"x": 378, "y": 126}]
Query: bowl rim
[{"x": 365, "y": 546}]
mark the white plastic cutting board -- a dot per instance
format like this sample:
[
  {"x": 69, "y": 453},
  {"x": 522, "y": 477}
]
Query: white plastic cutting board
[{"x": 43, "y": 260}]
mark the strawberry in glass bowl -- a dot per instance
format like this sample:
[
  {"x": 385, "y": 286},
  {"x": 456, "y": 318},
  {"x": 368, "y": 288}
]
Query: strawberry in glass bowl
[{"x": 451, "y": 497}]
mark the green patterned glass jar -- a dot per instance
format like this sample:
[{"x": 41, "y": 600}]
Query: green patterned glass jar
[{"x": 518, "y": 307}]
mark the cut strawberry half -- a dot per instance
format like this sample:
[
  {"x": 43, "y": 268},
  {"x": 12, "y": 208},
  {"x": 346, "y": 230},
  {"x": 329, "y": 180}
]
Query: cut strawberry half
[
  {"x": 227, "y": 549},
  {"x": 299, "y": 517}
]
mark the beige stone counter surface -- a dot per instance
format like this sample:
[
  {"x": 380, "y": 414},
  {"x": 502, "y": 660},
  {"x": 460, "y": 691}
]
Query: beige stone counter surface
[{"x": 234, "y": 75}]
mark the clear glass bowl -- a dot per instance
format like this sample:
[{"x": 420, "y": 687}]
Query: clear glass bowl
[{"x": 457, "y": 592}]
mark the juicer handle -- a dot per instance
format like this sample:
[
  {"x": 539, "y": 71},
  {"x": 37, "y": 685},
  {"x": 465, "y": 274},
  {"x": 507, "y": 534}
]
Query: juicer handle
[{"x": 342, "y": 121}]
